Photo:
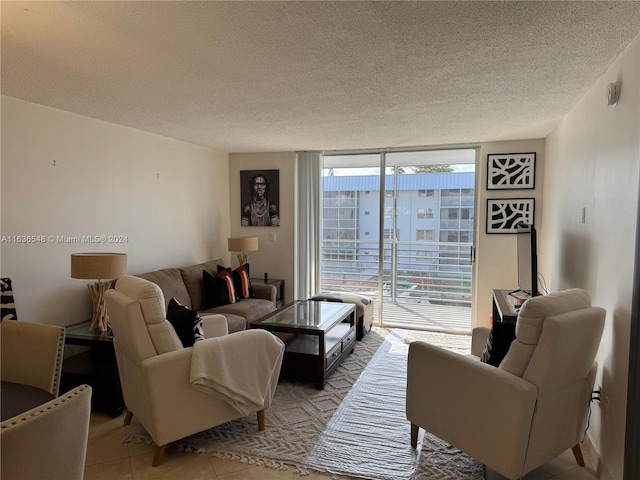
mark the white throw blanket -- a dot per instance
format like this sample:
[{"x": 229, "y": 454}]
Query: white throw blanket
[{"x": 241, "y": 369}]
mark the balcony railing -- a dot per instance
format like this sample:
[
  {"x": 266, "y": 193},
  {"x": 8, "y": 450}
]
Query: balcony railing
[{"x": 436, "y": 273}]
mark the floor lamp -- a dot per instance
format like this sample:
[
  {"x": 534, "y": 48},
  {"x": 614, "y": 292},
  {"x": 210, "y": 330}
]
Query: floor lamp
[{"x": 98, "y": 266}]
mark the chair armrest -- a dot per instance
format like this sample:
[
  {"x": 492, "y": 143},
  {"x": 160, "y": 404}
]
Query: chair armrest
[
  {"x": 172, "y": 408},
  {"x": 479, "y": 337},
  {"x": 478, "y": 408},
  {"x": 264, "y": 291},
  {"x": 214, "y": 325},
  {"x": 164, "y": 373}
]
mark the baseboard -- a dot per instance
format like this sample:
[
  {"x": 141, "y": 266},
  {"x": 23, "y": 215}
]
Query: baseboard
[{"x": 596, "y": 461}]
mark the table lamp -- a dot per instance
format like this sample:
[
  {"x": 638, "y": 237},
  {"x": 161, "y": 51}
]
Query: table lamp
[
  {"x": 243, "y": 245},
  {"x": 98, "y": 266}
]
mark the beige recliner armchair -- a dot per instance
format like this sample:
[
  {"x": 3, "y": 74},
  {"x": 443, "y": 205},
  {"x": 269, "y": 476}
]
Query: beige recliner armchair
[
  {"x": 529, "y": 409},
  {"x": 155, "y": 369}
]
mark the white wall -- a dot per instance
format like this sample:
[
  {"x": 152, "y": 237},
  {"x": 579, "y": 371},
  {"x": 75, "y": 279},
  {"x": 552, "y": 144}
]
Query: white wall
[
  {"x": 169, "y": 198},
  {"x": 496, "y": 265},
  {"x": 593, "y": 162},
  {"x": 276, "y": 258}
]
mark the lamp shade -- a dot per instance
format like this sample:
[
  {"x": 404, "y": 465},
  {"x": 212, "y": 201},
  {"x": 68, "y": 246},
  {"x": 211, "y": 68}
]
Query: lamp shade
[
  {"x": 243, "y": 244},
  {"x": 98, "y": 265}
]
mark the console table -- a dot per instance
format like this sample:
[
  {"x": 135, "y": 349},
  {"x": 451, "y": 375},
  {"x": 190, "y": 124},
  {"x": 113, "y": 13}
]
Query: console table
[
  {"x": 505, "y": 306},
  {"x": 317, "y": 337},
  {"x": 96, "y": 367}
]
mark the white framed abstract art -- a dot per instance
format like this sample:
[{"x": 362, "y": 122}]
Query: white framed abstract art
[
  {"x": 504, "y": 214},
  {"x": 511, "y": 171}
]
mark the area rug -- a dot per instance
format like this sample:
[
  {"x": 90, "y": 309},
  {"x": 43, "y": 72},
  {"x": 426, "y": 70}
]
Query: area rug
[
  {"x": 303, "y": 425},
  {"x": 368, "y": 435}
]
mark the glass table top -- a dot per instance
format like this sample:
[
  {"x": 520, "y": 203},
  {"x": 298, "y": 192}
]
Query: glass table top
[
  {"x": 80, "y": 331},
  {"x": 310, "y": 314}
]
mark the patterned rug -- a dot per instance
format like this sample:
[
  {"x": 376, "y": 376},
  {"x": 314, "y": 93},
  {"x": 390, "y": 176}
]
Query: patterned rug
[{"x": 300, "y": 425}]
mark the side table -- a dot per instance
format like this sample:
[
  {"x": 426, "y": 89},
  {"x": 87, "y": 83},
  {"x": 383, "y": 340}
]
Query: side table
[
  {"x": 278, "y": 283},
  {"x": 96, "y": 367}
]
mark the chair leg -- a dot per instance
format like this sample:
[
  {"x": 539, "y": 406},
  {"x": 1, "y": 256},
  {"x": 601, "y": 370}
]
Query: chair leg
[
  {"x": 157, "y": 457},
  {"x": 127, "y": 417},
  {"x": 577, "y": 452},
  {"x": 414, "y": 435},
  {"x": 261, "y": 423}
]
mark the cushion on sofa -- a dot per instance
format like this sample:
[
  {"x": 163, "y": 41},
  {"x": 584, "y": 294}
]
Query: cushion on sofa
[
  {"x": 235, "y": 323},
  {"x": 192, "y": 280},
  {"x": 217, "y": 290},
  {"x": 186, "y": 323},
  {"x": 250, "y": 308},
  {"x": 242, "y": 281},
  {"x": 171, "y": 284}
]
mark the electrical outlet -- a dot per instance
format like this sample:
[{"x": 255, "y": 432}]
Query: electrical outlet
[{"x": 272, "y": 236}]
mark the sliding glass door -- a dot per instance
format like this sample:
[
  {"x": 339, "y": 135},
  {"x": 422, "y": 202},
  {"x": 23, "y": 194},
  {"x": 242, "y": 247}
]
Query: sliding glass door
[
  {"x": 350, "y": 255},
  {"x": 405, "y": 237}
]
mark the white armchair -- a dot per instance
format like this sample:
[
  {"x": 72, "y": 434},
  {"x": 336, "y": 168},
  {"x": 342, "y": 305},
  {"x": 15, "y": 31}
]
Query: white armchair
[
  {"x": 525, "y": 412},
  {"x": 155, "y": 368}
]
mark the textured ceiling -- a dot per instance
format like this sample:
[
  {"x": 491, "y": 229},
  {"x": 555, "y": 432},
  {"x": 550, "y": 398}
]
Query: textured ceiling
[{"x": 275, "y": 76}]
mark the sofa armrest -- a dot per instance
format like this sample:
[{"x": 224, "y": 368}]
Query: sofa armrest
[
  {"x": 480, "y": 409},
  {"x": 214, "y": 325},
  {"x": 264, "y": 291},
  {"x": 479, "y": 336}
]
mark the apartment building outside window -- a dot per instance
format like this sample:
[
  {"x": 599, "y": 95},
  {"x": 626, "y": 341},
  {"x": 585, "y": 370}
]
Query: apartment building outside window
[
  {"x": 424, "y": 235},
  {"x": 425, "y": 213},
  {"x": 388, "y": 233},
  {"x": 426, "y": 193}
]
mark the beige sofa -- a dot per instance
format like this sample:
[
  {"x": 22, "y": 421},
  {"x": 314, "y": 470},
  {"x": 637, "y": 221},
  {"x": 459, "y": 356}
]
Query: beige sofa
[{"x": 185, "y": 284}]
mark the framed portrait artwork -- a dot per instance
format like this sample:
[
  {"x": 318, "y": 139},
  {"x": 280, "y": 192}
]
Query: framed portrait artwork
[
  {"x": 511, "y": 171},
  {"x": 504, "y": 214},
  {"x": 260, "y": 198}
]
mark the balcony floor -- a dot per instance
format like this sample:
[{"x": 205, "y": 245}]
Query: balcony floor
[{"x": 437, "y": 318}]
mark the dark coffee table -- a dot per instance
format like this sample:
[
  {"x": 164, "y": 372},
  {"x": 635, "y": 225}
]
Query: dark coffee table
[{"x": 317, "y": 337}]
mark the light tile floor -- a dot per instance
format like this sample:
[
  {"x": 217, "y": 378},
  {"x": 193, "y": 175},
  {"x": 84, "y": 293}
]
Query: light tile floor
[{"x": 110, "y": 459}]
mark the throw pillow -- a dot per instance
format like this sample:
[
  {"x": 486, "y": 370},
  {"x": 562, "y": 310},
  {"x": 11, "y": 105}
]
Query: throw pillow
[
  {"x": 186, "y": 323},
  {"x": 242, "y": 282},
  {"x": 217, "y": 290},
  {"x": 8, "y": 305},
  {"x": 498, "y": 342}
]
